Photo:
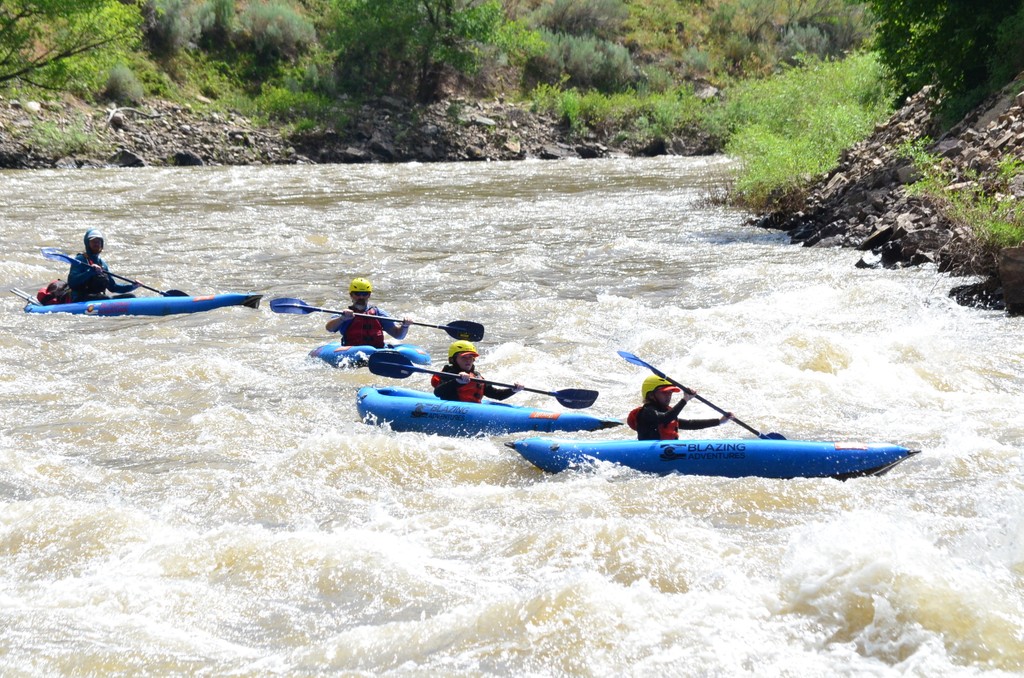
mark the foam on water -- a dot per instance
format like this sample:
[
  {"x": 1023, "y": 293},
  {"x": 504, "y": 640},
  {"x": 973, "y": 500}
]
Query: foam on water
[{"x": 190, "y": 494}]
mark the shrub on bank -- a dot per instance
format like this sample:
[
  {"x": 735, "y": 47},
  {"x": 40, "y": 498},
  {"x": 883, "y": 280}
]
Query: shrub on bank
[
  {"x": 53, "y": 140},
  {"x": 983, "y": 204},
  {"x": 122, "y": 86},
  {"x": 787, "y": 129},
  {"x": 639, "y": 117}
]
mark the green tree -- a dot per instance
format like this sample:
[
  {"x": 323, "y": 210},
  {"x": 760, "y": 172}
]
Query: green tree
[
  {"x": 941, "y": 42},
  {"x": 406, "y": 46},
  {"x": 38, "y": 37}
]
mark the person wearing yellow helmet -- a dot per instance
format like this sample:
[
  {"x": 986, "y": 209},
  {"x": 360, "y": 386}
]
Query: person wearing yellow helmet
[
  {"x": 460, "y": 385},
  {"x": 358, "y": 330},
  {"x": 656, "y": 420}
]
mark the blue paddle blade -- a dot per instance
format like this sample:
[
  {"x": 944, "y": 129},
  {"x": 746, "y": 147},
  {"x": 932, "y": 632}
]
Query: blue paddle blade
[
  {"x": 637, "y": 361},
  {"x": 391, "y": 364},
  {"x": 290, "y": 305},
  {"x": 55, "y": 254}
]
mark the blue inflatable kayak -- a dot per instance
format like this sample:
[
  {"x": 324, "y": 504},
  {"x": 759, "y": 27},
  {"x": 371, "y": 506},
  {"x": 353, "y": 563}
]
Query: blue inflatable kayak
[
  {"x": 728, "y": 458},
  {"x": 149, "y": 305},
  {"x": 407, "y": 410},
  {"x": 356, "y": 356}
]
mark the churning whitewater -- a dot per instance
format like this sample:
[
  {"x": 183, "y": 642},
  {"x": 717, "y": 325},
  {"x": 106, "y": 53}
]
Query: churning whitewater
[{"x": 192, "y": 494}]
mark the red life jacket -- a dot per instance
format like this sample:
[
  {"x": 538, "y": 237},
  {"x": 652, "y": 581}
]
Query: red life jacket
[
  {"x": 364, "y": 331},
  {"x": 667, "y": 431},
  {"x": 473, "y": 392}
]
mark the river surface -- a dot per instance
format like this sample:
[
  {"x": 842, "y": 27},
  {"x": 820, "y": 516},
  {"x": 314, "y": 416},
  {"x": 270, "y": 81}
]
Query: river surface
[{"x": 190, "y": 495}]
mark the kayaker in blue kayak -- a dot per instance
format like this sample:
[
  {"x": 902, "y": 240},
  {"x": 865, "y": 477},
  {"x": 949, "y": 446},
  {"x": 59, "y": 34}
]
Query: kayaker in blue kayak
[
  {"x": 358, "y": 330},
  {"x": 460, "y": 386},
  {"x": 89, "y": 279},
  {"x": 655, "y": 420}
]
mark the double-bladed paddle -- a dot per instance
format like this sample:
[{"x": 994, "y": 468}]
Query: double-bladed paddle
[
  {"x": 458, "y": 329},
  {"x": 395, "y": 365},
  {"x": 637, "y": 361},
  {"x": 56, "y": 255}
]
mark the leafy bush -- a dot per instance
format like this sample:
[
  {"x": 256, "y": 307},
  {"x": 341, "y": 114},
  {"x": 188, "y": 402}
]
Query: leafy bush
[
  {"x": 949, "y": 44},
  {"x": 788, "y": 128},
  {"x": 409, "y": 47},
  {"x": 586, "y": 63},
  {"x": 216, "y": 21},
  {"x": 169, "y": 25},
  {"x": 519, "y": 43},
  {"x": 597, "y": 18},
  {"x": 1007, "y": 58},
  {"x": 58, "y": 141},
  {"x": 984, "y": 205},
  {"x": 47, "y": 43},
  {"x": 638, "y": 116},
  {"x": 284, "y": 104},
  {"x": 122, "y": 86},
  {"x": 274, "y": 31}
]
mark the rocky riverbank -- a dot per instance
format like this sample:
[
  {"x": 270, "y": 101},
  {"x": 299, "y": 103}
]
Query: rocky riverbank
[
  {"x": 72, "y": 134},
  {"x": 864, "y": 202}
]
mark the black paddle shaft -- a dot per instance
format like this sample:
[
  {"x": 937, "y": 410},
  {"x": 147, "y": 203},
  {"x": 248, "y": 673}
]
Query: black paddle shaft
[
  {"x": 397, "y": 366},
  {"x": 54, "y": 254},
  {"x": 457, "y": 329},
  {"x": 629, "y": 357}
]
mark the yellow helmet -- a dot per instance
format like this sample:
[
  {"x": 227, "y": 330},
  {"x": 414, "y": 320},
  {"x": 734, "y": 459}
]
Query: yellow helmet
[
  {"x": 653, "y": 383},
  {"x": 360, "y": 285},
  {"x": 458, "y": 347}
]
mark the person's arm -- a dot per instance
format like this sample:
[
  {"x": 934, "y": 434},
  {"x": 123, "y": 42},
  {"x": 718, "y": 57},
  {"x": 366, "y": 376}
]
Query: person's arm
[
  {"x": 448, "y": 386},
  {"x": 500, "y": 392},
  {"x": 396, "y": 329},
  {"x": 338, "y": 323},
  {"x": 80, "y": 274},
  {"x": 694, "y": 424},
  {"x": 121, "y": 288}
]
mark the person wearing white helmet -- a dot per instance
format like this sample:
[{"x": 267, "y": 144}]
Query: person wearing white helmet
[
  {"x": 358, "y": 330},
  {"x": 89, "y": 278},
  {"x": 460, "y": 385},
  {"x": 656, "y": 420}
]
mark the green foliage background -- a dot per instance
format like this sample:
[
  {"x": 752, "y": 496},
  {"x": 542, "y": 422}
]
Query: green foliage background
[{"x": 797, "y": 80}]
